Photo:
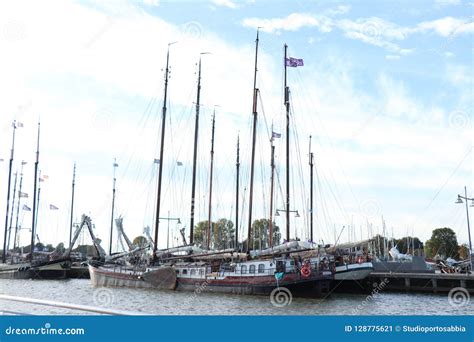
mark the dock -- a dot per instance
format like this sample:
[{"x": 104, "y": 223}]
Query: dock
[{"x": 423, "y": 282}]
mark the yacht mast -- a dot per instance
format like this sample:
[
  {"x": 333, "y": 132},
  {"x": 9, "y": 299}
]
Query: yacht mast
[
  {"x": 196, "y": 132},
  {"x": 4, "y": 255},
  {"x": 311, "y": 210},
  {"x": 287, "y": 106},
  {"x": 13, "y": 209},
  {"x": 113, "y": 208},
  {"x": 209, "y": 221},
  {"x": 254, "y": 141},
  {"x": 18, "y": 205},
  {"x": 272, "y": 182},
  {"x": 35, "y": 183},
  {"x": 160, "y": 166},
  {"x": 237, "y": 166},
  {"x": 72, "y": 203}
]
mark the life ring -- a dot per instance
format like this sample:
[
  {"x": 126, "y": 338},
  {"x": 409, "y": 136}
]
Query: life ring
[{"x": 305, "y": 271}]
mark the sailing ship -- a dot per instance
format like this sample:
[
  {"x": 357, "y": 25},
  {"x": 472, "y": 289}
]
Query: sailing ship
[
  {"x": 225, "y": 271},
  {"x": 39, "y": 266}
]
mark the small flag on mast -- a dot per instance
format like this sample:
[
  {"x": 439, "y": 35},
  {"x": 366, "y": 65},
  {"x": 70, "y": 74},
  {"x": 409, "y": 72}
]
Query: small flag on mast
[
  {"x": 26, "y": 208},
  {"x": 276, "y": 135},
  {"x": 22, "y": 194},
  {"x": 53, "y": 207},
  {"x": 294, "y": 62},
  {"x": 179, "y": 163},
  {"x": 156, "y": 161}
]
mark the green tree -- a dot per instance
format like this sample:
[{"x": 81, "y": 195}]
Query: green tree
[
  {"x": 261, "y": 234},
  {"x": 60, "y": 248},
  {"x": 222, "y": 234},
  {"x": 463, "y": 252},
  {"x": 406, "y": 244},
  {"x": 443, "y": 242},
  {"x": 200, "y": 233},
  {"x": 140, "y": 241}
]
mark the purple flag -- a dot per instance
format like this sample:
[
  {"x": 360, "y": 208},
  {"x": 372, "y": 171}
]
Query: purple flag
[
  {"x": 53, "y": 207},
  {"x": 294, "y": 62}
]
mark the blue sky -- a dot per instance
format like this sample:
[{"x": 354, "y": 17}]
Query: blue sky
[{"x": 386, "y": 93}]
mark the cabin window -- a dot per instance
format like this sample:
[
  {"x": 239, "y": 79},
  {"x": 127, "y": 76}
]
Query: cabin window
[
  {"x": 185, "y": 271},
  {"x": 193, "y": 272},
  {"x": 261, "y": 268},
  {"x": 243, "y": 269},
  {"x": 177, "y": 271},
  {"x": 201, "y": 272},
  {"x": 252, "y": 269}
]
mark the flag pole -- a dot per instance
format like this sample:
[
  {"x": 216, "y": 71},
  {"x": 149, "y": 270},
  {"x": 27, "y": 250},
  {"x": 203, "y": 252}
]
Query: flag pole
[
  {"x": 4, "y": 255},
  {"x": 287, "y": 106},
  {"x": 254, "y": 142},
  {"x": 35, "y": 183},
  {"x": 18, "y": 205}
]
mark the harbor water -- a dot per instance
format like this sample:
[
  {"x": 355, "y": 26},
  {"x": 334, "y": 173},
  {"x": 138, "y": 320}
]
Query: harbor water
[{"x": 143, "y": 301}]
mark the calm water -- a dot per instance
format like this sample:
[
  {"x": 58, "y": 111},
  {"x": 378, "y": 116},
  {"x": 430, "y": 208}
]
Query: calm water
[{"x": 79, "y": 291}]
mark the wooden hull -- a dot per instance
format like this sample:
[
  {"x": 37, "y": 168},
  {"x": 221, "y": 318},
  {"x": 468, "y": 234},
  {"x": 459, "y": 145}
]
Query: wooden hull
[
  {"x": 110, "y": 277},
  {"x": 78, "y": 272},
  {"x": 49, "y": 270},
  {"x": 260, "y": 285},
  {"x": 313, "y": 286}
]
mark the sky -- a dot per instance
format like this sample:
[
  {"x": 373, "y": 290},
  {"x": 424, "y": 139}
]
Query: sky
[{"x": 385, "y": 94}]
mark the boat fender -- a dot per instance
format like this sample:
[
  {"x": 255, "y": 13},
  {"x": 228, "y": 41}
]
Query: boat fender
[{"x": 305, "y": 271}]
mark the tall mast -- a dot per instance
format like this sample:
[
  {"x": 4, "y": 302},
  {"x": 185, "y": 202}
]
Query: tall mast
[
  {"x": 160, "y": 165},
  {"x": 287, "y": 106},
  {"x": 35, "y": 183},
  {"x": 18, "y": 205},
  {"x": 72, "y": 203},
  {"x": 4, "y": 255},
  {"x": 196, "y": 132},
  {"x": 237, "y": 166},
  {"x": 113, "y": 207},
  {"x": 209, "y": 221},
  {"x": 254, "y": 141},
  {"x": 272, "y": 182},
  {"x": 311, "y": 211},
  {"x": 13, "y": 209}
]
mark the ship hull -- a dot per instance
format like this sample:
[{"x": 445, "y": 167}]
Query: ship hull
[
  {"x": 313, "y": 287},
  {"x": 110, "y": 277},
  {"x": 48, "y": 270},
  {"x": 353, "y": 271}
]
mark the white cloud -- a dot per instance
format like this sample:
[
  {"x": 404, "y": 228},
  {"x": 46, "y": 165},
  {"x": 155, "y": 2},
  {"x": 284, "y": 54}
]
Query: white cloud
[
  {"x": 372, "y": 30},
  {"x": 448, "y": 26},
  {"x": 292, "y": 22},
  {"x": 225, "y": 3}
]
